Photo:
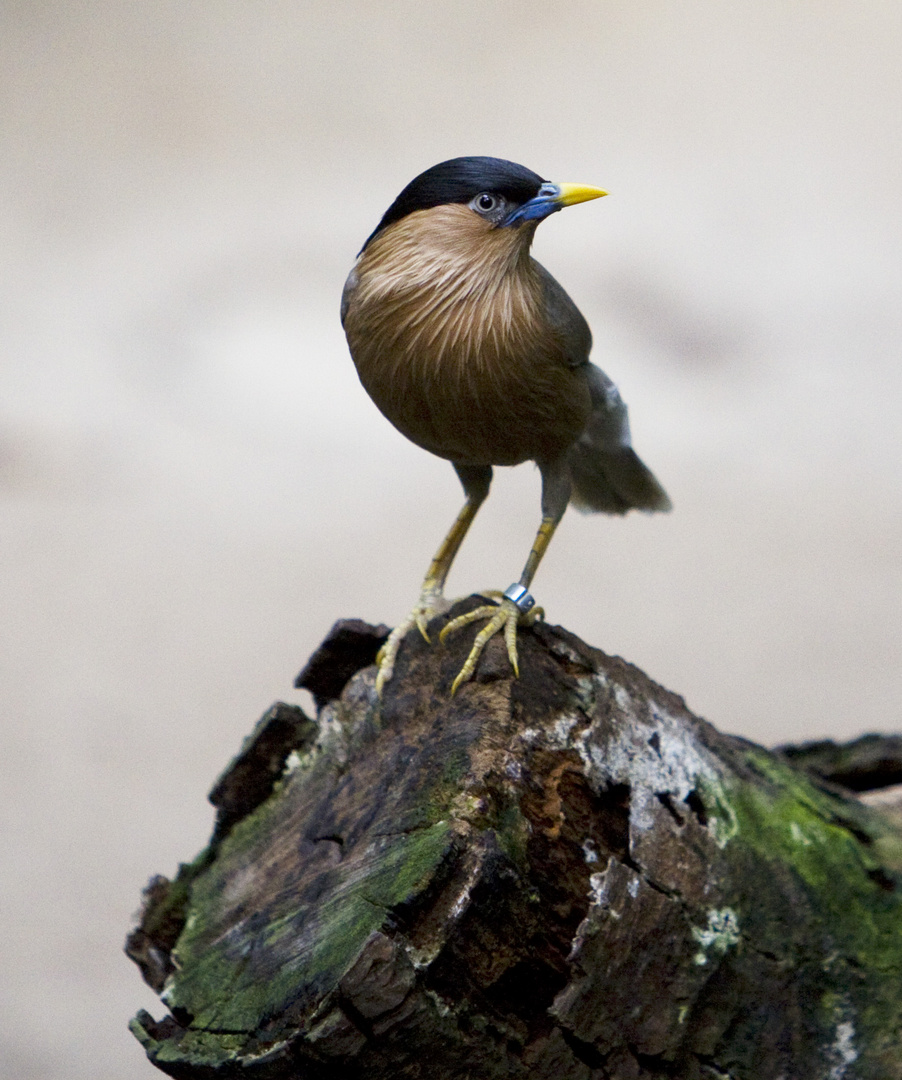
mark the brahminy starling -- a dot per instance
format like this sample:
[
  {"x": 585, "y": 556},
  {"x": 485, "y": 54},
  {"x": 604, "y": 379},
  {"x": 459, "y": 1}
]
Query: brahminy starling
[{"x": 475, "y": 353}]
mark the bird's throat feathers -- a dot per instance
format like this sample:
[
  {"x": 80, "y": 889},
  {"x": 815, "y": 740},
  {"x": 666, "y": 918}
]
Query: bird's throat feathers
[{"x": 455, "y": 287}]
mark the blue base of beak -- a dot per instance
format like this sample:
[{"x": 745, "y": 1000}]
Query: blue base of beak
[{"x": 545, "y": 203}]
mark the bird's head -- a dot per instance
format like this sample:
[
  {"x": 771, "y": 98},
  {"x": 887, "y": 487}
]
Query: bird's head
[{"x": 501, "y": 193}]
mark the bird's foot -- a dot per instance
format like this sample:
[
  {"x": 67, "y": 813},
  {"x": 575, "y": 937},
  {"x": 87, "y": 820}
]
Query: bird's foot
[
  {"x": 515, "y": 604},
  {"x": 430, "y": 603}
]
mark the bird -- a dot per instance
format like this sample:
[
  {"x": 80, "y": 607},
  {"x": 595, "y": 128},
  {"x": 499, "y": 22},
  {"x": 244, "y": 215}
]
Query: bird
[{"x": 474, "y": 352}]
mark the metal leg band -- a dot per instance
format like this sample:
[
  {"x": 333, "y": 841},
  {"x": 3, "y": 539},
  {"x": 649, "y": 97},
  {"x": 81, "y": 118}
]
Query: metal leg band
[{"x": 520, "y": 596}]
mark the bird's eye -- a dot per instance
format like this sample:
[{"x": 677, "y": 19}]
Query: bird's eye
[{"x": 485, "y": 203}]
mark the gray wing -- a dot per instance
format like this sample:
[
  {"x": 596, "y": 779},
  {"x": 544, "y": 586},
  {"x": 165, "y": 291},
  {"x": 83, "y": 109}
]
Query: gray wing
[
  {"x": 566, "y": 320},
  {"x": 606, "y": 473}
]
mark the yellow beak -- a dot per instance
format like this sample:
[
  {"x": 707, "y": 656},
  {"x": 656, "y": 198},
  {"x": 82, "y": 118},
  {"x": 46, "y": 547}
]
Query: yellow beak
[
  {"x": 577, "y": 193},
  {"x": 550, "y": 199}
]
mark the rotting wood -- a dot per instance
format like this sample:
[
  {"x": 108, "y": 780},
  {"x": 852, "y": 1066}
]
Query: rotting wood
[{"x": 566, "y": 875}]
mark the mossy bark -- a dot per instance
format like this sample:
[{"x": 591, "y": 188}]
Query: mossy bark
[{"x": 565, "y": 875}]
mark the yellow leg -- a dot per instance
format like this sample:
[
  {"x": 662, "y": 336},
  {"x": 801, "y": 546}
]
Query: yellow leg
[
  {"x": 430, "y": 600},
  {"x": 434, "y": 582},
  {"x": 516, "y": 604}
]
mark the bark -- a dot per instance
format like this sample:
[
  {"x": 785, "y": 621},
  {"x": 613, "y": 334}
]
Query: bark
[{"x": 566, "y": 875}]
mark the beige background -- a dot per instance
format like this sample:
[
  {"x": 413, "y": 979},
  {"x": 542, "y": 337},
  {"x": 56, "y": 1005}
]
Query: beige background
[{"x": 194, "y": 486}]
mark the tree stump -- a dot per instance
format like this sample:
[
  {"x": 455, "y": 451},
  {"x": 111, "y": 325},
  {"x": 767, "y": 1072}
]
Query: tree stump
[{"x": 566, "y": 875}]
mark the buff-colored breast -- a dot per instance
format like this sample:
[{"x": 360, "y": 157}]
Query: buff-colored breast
[{"x": 446, "y": 323}]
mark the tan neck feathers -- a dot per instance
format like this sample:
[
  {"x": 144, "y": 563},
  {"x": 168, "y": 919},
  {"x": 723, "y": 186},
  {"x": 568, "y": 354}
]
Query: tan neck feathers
[{"x": 445, "y": 280}]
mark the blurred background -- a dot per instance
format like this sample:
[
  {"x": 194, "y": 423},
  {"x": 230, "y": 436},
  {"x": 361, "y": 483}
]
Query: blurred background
[{"x": 193, "y": 485}]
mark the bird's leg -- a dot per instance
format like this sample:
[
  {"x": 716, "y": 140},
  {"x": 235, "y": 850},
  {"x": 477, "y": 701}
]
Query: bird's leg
[
  {"x": 516, "y": 602},
  {"x": 476, "y": 482},
  {"x": 430, "y": 595}
]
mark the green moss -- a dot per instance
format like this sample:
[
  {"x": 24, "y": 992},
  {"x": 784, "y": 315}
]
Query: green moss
[
  {"x": 209, "y": 1047},
  {"x": 203, "y": 1047},
  {"x": 441, "y": 794},
  {"x": 810, "y": 831},
  {"x": 233, "y": 980},
  {"x": 513, "y": 833},
  {"x": 799, "y": 832},
  {"x": 164, "y": 918},
  {"x": 300, "y": 951}
]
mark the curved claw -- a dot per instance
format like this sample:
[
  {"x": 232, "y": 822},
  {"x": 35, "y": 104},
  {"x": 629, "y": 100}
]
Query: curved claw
[
  {"x": 429, "y": 604},
  {"x": 422, "y": 622},
  {"x": 505, "y": 615}
]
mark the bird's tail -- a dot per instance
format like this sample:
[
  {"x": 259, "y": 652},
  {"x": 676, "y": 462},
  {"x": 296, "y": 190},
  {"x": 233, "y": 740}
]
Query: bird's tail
[
  {"x": 613, "y": 481},
  {"x": 607, "y": 475}
]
